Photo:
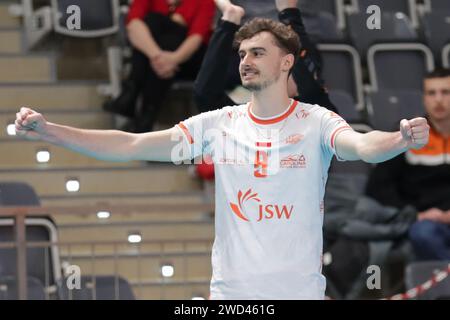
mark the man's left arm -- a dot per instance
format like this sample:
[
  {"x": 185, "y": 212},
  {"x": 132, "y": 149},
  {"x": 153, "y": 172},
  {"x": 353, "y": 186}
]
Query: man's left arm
[{"x": 379, "y": 146}]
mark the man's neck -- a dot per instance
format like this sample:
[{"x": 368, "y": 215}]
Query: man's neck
[
  {"x": 270, "y": 102},
  {"x": 443, "y": 127}
]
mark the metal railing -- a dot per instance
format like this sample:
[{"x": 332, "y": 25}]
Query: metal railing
[{"x": 115, "y": 251}]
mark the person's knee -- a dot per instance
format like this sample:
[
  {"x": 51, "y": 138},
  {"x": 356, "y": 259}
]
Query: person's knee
[{"x": 423, "y": 231}]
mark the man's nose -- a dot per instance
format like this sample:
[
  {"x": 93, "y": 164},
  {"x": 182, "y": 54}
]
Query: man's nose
[
  {"x": 246, "y": 60},
  {"x": 439, "y": 96}
]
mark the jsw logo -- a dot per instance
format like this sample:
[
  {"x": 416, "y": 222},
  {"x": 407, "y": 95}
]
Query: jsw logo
[{"x": 265, "y": 211}]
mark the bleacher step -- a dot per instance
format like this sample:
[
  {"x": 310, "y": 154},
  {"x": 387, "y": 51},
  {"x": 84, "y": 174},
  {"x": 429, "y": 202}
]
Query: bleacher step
[
  {"x": 10, "y": 41},
  {"x": 22, "y": 69},
  {"x": 57, "y": 97},
  {"x": 111, "y": 181},
  {"x": 6, "y": 20}
]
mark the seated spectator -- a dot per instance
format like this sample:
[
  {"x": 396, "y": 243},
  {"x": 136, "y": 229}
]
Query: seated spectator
[
  {"x": 169, "y": 38},
  {"x": 422, "y": 177}
]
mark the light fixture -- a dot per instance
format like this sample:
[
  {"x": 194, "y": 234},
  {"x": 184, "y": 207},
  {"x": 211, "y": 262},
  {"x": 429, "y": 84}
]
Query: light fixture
[
  {"x": 11, "y": 129},
  {"x": 103, "y": 214},
  {"x": 72, "y": 185},
  {"x": 134, "y": 237},
  {"x": 167, "y": 270},
  {"x": 198, "y": 297},
  {"x": 42, "y": 156},
  {"x": 327, "y": 258}
]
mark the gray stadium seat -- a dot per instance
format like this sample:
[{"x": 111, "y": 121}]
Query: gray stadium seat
[
  {"x": 346, "y": 105},
  {"x": 100, "y": 287},
  {"x": 42, "y": 262},
  {"x": 437, "y": 5},
  {"x": 433, "y": 24},
  {"x": 98, "y": 18},
  {"x": 8, "y": 288},
  {"x": 388, "y": 107},
  {"x": 322, "y": 27},
  {"x": 342, "y": 70},
  {"x": 408, "y": 7},
  {"x": 418, "y": 272},
  {"x": 399, "y": 66},
  {"x": 333, "y": 7},
  {"x": 446, "y": 56},
  {"x": 395, "y": 27}
]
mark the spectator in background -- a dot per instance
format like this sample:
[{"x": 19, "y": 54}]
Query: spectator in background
[
  {"x": 422, "y": 177},
  {"x": 169, "y": 38}
]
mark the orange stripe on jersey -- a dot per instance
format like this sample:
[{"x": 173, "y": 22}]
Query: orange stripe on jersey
[
  {"x": 264, "y": 144},
  {"x": 435, "y": 147},
  {"x": 186, "y": 132},
  {"x": 340, "y": 129},
  {"x": 274, "y": 120}
]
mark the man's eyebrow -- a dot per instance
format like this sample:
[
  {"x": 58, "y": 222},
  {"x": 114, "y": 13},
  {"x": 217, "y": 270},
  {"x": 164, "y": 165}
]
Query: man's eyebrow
[
  {"x": 253, "y": 49},
  {"x": 257, "y": 49}
]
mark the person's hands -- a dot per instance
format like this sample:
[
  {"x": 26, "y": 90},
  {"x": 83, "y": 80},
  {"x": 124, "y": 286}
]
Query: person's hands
[
  {"x": 433, "y": 214},
  {"x": 165, "y": 64},
  {"x": 30, "y": 124},
  {"x": 415, "y": 132}
]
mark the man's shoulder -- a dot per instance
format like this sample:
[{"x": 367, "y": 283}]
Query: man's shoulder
[{"x": 314, "y": 110}]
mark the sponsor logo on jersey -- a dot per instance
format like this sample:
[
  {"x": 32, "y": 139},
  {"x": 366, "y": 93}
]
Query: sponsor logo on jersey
[
  {"x": 302, "y": 114},
  {"x": 265, "y": 211},
  {"x": 294, "y": 138},
  {"x": 293, "y": 161}
]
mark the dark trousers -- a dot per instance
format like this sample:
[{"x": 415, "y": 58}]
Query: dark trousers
[
  {"x": 430, "y": 240},
  {"x": 169, "y": 36},
  {"x": 220, "y": 68}
]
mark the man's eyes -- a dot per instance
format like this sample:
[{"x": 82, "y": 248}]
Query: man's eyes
[{"x": 443, "y": 92}]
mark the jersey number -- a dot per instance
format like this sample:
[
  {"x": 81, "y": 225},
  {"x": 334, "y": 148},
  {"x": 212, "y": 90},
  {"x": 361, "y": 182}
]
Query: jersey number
[{"x": 261, "y": 161}]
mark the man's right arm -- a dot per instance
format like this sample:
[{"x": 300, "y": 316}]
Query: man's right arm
[{"x": 108, "y": 145}]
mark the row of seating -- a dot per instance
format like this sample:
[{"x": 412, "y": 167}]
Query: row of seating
[
  {"x": 45, "y": 281},
  {"x": 44, "y": 272},
  {"x": 326, "y": 21},
  {"x": 393, "y": 71},
  {"x": 339, "y": 8}
]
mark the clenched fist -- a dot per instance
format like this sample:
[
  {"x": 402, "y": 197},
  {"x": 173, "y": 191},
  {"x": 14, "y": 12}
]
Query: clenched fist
[
  {"x": 415, "y": 132},
  {"x": 30, "y": 124}
]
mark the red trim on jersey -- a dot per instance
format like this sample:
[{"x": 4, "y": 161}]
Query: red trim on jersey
[
  {"x": 186, "y": 132},
  {"x": 264, "y": 144},
  {"x": 274, "y": 120},
  {"x": 333, "y": 136}
]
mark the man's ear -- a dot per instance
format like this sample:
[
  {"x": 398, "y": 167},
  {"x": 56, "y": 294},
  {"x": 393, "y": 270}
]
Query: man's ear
[{"x": 288, "y": 62}]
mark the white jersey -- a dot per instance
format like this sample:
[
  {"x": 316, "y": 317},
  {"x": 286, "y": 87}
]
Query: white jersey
[{"x": 270, "y": 183}]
